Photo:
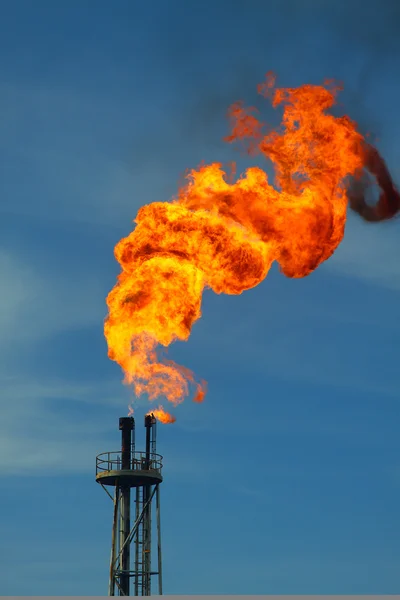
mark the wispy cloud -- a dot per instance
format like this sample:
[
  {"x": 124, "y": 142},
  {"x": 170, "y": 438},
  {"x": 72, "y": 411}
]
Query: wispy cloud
[
  {"x": 37, "y": 437},
  {"x": 36, "y": 302},
  {"x": 35, "y": 306}
]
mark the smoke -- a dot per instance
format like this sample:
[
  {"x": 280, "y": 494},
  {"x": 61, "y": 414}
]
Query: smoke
[
  {"x": 388, "y": 204},
  {"x": 376, "y": 35}
]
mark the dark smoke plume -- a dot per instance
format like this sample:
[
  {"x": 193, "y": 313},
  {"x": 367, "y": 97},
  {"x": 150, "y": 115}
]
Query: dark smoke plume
[{"x": 388, "y": 204}]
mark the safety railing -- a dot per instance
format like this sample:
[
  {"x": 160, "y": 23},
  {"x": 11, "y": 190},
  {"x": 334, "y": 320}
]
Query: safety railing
[{"x": 140, "y": 461}]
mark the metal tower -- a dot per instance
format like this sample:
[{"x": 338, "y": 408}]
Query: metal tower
[{"x": 136, "y": 474}]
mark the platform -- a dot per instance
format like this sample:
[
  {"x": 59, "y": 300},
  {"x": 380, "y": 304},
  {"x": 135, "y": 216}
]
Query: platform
[{"x": 144, "y": 470}]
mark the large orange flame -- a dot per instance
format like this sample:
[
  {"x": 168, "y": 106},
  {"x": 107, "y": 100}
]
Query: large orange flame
[{"x": 226, "y": 236}]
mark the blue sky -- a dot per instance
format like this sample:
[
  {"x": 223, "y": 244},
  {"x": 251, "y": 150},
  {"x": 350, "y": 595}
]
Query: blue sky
[{"x": 287, "y": 478}]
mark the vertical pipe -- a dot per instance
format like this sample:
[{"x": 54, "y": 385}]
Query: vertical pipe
[
  {"x": 133, "y": 438},
  {"x": 125, "y": 523},
  {"x": 126, "y": 425},
  {"x": 148, "y": 422},
  {"x": 137, "y": 539},
  {"x": 153, "y": 436},
  {"x": 159, "y": 540}
]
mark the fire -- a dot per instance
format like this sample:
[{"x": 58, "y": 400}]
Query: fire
[
  {"x": 160, "y": 414},
  {"x": 225, "y": 236}
]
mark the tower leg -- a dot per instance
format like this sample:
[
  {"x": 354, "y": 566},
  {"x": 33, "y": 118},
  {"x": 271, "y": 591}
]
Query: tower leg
[
  {"x": 147, "y": 542},
  {"x": 125, "y": 526},
  {"x": 137, "y": 542},
  {"x": 159, "y": 540},
  {"x": 111, "y": 583}
]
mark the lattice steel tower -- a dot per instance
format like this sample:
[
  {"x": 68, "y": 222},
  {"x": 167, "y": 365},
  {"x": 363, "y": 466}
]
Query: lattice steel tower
[{"x": 136, "y": 474}]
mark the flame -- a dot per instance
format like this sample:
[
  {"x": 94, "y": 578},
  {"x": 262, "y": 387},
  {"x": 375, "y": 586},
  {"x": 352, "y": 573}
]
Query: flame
[
  {"x": 225, "y": 236},
  {"x": 162, "y": 415}
]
